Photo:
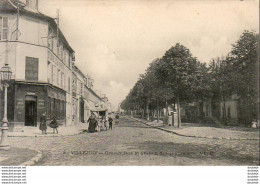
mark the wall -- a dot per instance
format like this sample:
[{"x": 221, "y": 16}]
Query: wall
[
  {"x": 24, "y": 50},
  {"x": 232, "y": 105},
  {"x": 7, "y": 49}
]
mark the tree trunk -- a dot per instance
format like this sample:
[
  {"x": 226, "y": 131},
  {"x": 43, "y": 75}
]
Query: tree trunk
[
  {"x": 178, "y": 111},
  {"x": 173, "y": 122},
  {"x": 166, "y": 115},
  {"x": 157, "y": 103},
  {"x": 224, "y": 112},
  {"x": 147, "y": 110}
]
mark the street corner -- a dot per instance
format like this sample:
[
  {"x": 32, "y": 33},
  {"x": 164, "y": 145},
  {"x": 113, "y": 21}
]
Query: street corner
[{"x": 17, "y": 156}]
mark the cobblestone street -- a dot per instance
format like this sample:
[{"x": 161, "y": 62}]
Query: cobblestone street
[{"x": 132, "y": 143}]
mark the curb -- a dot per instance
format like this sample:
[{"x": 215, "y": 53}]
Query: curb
[
  {"x": 49, "y": 135},
  {"x": 194, "y": 136},
  {"x": 34, "y": 160}
]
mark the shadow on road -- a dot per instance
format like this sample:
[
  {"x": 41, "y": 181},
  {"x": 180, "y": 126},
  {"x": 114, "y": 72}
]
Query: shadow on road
[
  {"x": 130, "y": 124},
  {"x": 197, "y": 151}
]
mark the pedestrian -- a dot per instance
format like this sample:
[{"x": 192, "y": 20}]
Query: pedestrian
[
  {"x": 117, "y": 118},
  {"x": 54, "y": 124},
  {"x": 105, "y": 122},
  {"x": 92, "y": 123},
  {"x": 110, "y": 120},
  {"x": 43, "y": 124}
]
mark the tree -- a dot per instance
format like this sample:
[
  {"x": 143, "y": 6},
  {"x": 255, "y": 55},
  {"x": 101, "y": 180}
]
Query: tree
[
  {"x": 180, "y": 74},
  {"x": 244, "y": 65}
]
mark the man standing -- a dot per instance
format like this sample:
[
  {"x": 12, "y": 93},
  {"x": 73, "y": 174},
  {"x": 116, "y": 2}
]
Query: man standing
[
  {"x": 110, "y": 120},
  {"x": 43, "y": 124}
]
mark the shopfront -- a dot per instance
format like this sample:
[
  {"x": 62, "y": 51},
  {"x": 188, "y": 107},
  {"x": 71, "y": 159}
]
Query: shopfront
[
  {"x": 56, "y": 104},
  {"x": 32, "y": 100},
  {"x": 30, "y": 103}
]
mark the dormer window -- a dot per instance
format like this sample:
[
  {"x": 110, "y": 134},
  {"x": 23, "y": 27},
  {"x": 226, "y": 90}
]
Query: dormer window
[{"x": 33, "y": 4}]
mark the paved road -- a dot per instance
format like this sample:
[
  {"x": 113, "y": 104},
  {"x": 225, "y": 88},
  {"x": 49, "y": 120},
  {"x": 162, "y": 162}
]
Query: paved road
[{"x": 132, "y": 143}]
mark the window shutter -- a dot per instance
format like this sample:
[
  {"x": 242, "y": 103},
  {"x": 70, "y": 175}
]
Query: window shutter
[{"x": 5, "y": 28}]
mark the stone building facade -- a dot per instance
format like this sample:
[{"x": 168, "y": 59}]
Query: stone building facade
[{"x": 45, "y": 77}]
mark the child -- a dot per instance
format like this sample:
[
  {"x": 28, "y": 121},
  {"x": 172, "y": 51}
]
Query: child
[{"x": 54, "y": 124}]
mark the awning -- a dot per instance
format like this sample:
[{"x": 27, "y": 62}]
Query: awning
[
  {"x": 101, "y": 109},
  {"x": 90, "y": 106}
]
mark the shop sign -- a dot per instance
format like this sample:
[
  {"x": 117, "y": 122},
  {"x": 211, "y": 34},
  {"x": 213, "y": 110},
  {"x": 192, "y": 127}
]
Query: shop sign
[
  {"x": 52, "y": 93},
  {"x": 30, "y": 93},
  {"x": 41, "y": 103},
  {"x": 56, "y": 94},
  {"x": 19, "y": 106}
]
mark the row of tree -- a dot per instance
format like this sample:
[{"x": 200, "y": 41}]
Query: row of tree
[{"x": 179, "y": 77}]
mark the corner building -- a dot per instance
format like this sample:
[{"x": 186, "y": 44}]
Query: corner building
[{"x": 41, "y": 60}]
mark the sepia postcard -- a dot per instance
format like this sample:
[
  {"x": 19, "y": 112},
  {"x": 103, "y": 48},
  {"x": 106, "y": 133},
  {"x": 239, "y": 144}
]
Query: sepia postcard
[{"x": 129, "y": 83}]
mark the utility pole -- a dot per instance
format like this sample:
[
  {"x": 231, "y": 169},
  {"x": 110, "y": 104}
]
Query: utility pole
[
  {"x": 17, "y": 22},
  {"x": 58, "y": 24}
]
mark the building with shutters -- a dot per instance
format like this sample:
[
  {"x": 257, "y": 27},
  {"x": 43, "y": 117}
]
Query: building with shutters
[
  {"x": 45, "y": 78},
  {"x": 41, "y": 60}
]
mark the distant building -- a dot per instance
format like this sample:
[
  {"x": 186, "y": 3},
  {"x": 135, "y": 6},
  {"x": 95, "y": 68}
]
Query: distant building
[{"x": 222, "y": 109}]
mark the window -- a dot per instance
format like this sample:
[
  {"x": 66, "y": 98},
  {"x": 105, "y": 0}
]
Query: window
[
  {"x": 31, "y": 69},
  {"x": 62, "y": 80},
  {"x": 50, "y": 38},
  {"x": 69, "y": 61},
  {"x": 58, "y": 78},
  {"x": 1, "y": 25},
  {"x": 49, "y": 72},
  {"x": 86, "y": 81},
  {"x": 3, "y": 28},
  {"x": 69, "y": 84},
  {"x": 65, "y": 56},
  {"x": 61, "y": 51},
  {"x": 61, "y": 83},
  {"x": 54, "y": 71},
  {"x": 81, "y": 88}
]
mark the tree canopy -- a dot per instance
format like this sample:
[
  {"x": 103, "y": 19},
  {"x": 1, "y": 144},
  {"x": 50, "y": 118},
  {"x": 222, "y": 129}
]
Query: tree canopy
[{"x": 179, "y": 76}]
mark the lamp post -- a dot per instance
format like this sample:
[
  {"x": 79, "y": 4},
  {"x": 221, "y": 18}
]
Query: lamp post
[{"x": 5, "y": 74}]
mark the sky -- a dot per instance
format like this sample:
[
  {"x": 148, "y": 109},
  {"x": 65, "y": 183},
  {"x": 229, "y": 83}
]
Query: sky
[{"x": 115, "y": 40}]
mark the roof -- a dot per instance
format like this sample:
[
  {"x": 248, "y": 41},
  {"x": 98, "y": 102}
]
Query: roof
[
  {"x": 93, "y": 92},
  {"x": 78, "y": 70},
  {"x": 6, "y": 6}
]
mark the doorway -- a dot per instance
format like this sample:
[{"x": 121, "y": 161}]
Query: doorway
[
  {"x": 30, "y": 111},
  {"x": 82, "y": 111}
]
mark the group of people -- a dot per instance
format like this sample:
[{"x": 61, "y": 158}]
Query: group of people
[
  {"x": 53, "y": 124},
  {"x": 94, "y": 123}
]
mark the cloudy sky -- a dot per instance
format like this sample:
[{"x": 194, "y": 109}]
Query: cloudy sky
[{"x": 115, "y": 40}]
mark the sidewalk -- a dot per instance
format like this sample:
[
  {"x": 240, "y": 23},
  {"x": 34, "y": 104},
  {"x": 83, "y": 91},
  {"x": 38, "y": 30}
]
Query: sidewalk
[
  {"x": 28, "y": 157},
  {"x": 19, "y": 156},
  {"x": 36, "y": 132},
  {"x": 195, "y": 130}
]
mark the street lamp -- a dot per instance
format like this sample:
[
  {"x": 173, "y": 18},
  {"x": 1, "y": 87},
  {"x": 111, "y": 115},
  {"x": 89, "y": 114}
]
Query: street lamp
[{"x": 5, "y": 74}]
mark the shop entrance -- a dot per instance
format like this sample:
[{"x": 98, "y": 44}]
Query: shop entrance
[
  {"x": 82, "y": 111},
  {"x": 30, "y": 111}
]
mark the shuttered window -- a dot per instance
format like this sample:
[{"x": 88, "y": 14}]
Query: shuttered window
[
  {"x": 31, "y": 69},
  {"x": 3, "y": 28}
]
